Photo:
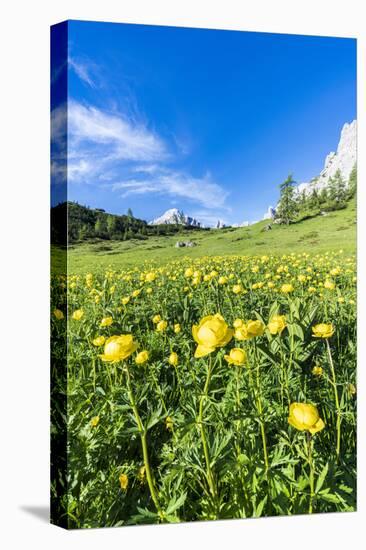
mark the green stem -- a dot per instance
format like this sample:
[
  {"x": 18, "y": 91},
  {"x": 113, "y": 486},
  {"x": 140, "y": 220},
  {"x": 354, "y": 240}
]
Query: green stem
[
  {"x": 311, "y": 465},
  {"x": 260, "y": 409},
  {"x": 338, "y": 426},
  {"x": 210, "y": 478},
  {"x": 143, "y": 437}
]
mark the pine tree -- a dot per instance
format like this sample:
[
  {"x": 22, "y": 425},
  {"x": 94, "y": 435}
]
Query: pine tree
[
  {"x": 111, "y": 225},
  {"x": 287, "y": 207},
  {"x": 129, "y": 213},
  {"x": 101, "y": 229},
  {"x": 337, "y": 188},
  {"x": 352, "y": 182}
]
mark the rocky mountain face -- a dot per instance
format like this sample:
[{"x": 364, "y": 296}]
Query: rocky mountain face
[
  {"x": 344, "y": 159},
  {"x": 176, "y": 217}
]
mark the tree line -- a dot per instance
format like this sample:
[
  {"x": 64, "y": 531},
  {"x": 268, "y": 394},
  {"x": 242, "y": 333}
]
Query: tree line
[
  {"x": 296, "y": 206},
  {"x": 84, "y": 223}
]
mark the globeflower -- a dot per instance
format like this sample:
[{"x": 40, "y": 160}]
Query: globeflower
[
  {"x": 329, "y": 285},
  {"x": 277, "y": 324},
  {"x": 77, "y": 315},
  {"x": 317, "y": 371},
  {"x": 94, "y": 421},
  {"x": 106, "y": 322},
  {"x": 150, "y": 277},
  {"x": 237, "y": 356},
  {"x": 323, "y": 330},
  {"x": 161, "y": 326},
  {"x": 305, "y": 417},
  {"x": 212, "y": 332},
  {"x": 58, "y": 314},
  {"x": 169, "y": 423},
  {"x": 177, "y": 328},
  {"x": 142, "y": 357},
  {"x": 156, "y": 319},
  {"x": 123, "y": 481},
  {"x": 173, "y": 359},
  {"x": 237, "y": 289},
  {"x": 118, "y": 348},
  {"x": 287, "y": 288},
  {"x": 250, "y": 329},
  {"x": 99, "y": 341}
]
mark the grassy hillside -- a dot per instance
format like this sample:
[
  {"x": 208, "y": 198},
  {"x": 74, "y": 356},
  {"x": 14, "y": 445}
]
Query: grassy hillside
[{"x": 331, "y": 232}]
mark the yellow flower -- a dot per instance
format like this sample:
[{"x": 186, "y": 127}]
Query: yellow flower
[
  {"x": 287, "y": 288},
  {"x": 123, "y": 481},
  {"x": 173, "y": 359},
  {"x": 177, "y": 328},
  {"x": 106, "y": 322},
  {"x": 212, "y": 332},
  {"x": 142, "y": 473},
  {"x": 125, "y": 300},
  {"x": 351, "y": 389},
  {"x": 305, "y": 417},
  {"x": 277, "y": 324},
  {"x": 94, "y": 421},
  {"x": 323, "y": 330},
  {"x": 236, "y": 357},
  {"x": 255, "y": 328},
  {"x": 118, "y": 348},
  {"x": 249, "y": 330},
  {"x": 156, "y": 319},
  {"x": 237, "y": 289},
  {"x": 169, "y": 423},
  {"x": 58, "y": 314},
  {"x": 150, "y": 277},
  {"x": 99, "y": 341},
  {"x": 222, "y": 280},
  {"x": 89, "y": 279},
  {"x": 149, "y": 290},
  {"x": 188, "y": 272},
  {"x": 317, "y": 371},
  {"x": 142, "y": 357},
  {"x": 136, "y": 293},
  {"x": 161, "y": 326},
  {"x": 241, "y": 333},
  {"x": 238, "y": 323},
  {"x": 77, "y": 315},
  {"x": 301, "y": 278},
  {"x": 329, "y": 285}
]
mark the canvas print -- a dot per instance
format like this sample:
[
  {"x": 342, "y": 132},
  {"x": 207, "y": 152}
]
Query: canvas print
[{"x": 203, "y": 255}]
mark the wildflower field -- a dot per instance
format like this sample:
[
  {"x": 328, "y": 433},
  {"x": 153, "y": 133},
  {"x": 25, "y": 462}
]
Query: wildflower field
[{"x": 206, "y": 388}]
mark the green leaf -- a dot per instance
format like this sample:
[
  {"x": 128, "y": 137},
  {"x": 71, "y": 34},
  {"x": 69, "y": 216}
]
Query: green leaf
[
  {"x": 259, "y": 509},
  {"x": 174, "y": 504},
  {"x": 321, "y": 478}
]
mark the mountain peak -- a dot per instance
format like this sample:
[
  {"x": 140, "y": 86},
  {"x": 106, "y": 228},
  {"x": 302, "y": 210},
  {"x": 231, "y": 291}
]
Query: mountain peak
[{"x": 176, "y": 217}]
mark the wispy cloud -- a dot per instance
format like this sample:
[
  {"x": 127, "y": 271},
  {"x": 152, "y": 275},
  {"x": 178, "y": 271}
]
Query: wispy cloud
[
  {"x": 82, "y": 70},
  {"x": 202, "y": 190},
  {"x": 123, "y": 139}
]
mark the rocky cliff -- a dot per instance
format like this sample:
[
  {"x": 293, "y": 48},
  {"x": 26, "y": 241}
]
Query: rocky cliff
[{"x": 343, "y": 159}]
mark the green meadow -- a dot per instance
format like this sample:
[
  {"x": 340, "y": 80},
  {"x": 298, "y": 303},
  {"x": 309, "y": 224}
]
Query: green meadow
[{"x": 334, "y": 231}]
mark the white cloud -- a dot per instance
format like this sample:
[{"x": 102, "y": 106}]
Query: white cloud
[
  {"x": 82, "y": 71},
  {"x": 115, "y": 152},
  {"x": 126, "y": 140},
  {"x": 203, "y": 190}
]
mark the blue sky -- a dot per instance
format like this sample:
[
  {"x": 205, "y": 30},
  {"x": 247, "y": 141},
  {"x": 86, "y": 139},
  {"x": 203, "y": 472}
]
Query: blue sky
[{"x": 207, "y": 121}]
